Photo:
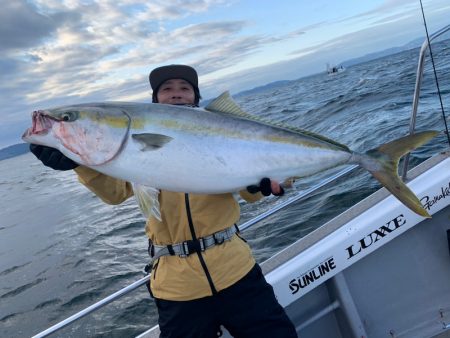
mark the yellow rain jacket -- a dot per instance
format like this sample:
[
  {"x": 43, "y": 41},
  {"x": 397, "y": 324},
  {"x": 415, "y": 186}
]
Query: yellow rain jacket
[{"x": 198, "y": 275}]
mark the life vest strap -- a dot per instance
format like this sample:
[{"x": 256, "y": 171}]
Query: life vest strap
[{"x": 184, "y": 249}]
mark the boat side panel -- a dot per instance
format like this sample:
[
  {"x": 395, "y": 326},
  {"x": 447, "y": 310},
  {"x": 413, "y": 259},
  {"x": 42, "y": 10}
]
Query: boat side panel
[
  {"x": 361, "y": 236},
  {"x": 302, "y": 314},
  {"x": 404, "y": 287}
]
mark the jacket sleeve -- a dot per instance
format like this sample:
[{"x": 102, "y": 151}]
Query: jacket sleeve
[
  {"x": 249, "y": 197},
  {"x": 111, "y": 190}
]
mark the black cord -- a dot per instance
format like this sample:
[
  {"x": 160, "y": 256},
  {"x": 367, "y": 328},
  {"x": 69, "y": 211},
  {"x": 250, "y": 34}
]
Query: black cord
[{"x": 435, "y": 74}]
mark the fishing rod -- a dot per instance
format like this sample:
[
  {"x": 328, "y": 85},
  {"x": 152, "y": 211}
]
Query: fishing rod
[{"x": 435, "y": 73}]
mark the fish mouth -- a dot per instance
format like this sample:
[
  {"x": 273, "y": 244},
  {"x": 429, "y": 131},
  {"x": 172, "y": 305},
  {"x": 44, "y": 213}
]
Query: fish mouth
[{"x": 41, "y": 124}]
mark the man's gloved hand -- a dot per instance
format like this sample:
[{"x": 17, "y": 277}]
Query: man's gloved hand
[
  {"x": 267, "y": 187},
  {"x": 52, "y": 158}
]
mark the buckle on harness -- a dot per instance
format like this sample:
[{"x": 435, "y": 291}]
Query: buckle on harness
[
  {"x": 191, "y": 246},
  {"x": 217, "y": 241}
]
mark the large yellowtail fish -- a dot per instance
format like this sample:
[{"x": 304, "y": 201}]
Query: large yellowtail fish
[{"x": 213, "y": 150}]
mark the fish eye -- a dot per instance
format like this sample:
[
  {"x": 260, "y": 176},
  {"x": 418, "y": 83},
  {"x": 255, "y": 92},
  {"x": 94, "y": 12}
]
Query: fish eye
[{"x": 69, "y": 116}]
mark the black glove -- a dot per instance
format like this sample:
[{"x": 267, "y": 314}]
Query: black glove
[
  {"x": 265, "y": 187},
  {"x": 52, "y": 157}
]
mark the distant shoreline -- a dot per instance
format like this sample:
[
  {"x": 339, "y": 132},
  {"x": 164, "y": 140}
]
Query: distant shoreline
[{"x": 14, "y": 150}]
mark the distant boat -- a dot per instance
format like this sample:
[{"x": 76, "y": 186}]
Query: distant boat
[{"x": 332, "y": 70}]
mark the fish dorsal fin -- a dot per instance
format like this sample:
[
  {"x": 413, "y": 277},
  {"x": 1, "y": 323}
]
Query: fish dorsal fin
[
  {"x": 147, "y": 198},
  {"x": 225, "y": 104}
]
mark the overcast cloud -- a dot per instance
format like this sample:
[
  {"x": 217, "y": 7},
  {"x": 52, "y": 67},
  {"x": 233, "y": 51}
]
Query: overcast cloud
[{"x": 55, "y": 52}]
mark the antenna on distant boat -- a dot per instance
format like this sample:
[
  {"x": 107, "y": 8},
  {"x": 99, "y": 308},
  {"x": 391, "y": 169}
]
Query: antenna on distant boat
[{"x": 435, "y": 74}]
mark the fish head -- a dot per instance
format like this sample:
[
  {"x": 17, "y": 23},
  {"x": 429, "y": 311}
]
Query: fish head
[{"x": 90, "y": 135}]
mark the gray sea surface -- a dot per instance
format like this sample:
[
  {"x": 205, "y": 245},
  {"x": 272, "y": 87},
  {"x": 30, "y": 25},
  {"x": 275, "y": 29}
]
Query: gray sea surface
[{"x": 62, "y": 248}]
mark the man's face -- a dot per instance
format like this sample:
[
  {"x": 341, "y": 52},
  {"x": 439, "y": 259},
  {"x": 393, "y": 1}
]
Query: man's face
[{"x": 176, "y": 91}]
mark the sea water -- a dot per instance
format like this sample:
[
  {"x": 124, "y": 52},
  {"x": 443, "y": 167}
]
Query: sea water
[{"x": 62, "y": 249}]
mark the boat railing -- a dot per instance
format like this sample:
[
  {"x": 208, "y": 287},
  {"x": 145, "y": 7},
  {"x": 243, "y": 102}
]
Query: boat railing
[
  {"x": 244, "y": 226},
  {"x": 419, "y": 77}
]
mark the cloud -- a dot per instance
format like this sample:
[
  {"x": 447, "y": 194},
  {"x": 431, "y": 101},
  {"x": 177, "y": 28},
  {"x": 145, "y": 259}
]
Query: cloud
[
  {"x": 21, "y": 26},
  {"x": 205, "y": 31},
  {"x": 9, "y": 66},
  {"x": 83, "y": 55},
  {"x": 313, "y": 59},
  {"x": 171, "y": 10},
  {"x": 387, "y": 7},
  {"x": 63, "y": 52},
  {"x": 57, "y": 52}
]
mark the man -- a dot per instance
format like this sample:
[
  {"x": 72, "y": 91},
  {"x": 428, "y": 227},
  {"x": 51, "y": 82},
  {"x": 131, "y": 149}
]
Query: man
[{"x": 203, "y": 274}]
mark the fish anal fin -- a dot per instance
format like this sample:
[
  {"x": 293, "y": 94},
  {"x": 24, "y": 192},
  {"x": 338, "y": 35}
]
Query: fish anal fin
[{"x": 148, "y": 200}]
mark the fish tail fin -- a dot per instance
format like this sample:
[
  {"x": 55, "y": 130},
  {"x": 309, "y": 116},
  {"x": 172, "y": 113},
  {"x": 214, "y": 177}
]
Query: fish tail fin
[{"x": 382, "y": 163}]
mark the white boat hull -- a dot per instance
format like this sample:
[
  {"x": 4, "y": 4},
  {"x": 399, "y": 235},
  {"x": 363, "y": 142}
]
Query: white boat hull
[{"x": 377, "y": 270}]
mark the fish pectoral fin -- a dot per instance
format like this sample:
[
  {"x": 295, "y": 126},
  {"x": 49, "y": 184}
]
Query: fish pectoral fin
[
  {"x": 148, "y": 200},
  {"x": 150, "y": 141}
]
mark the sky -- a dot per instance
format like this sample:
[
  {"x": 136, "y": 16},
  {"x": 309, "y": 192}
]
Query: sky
[{"x": 61, "y": 52}]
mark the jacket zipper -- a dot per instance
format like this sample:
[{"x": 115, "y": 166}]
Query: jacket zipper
[{"x": 194, "y": 237}]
